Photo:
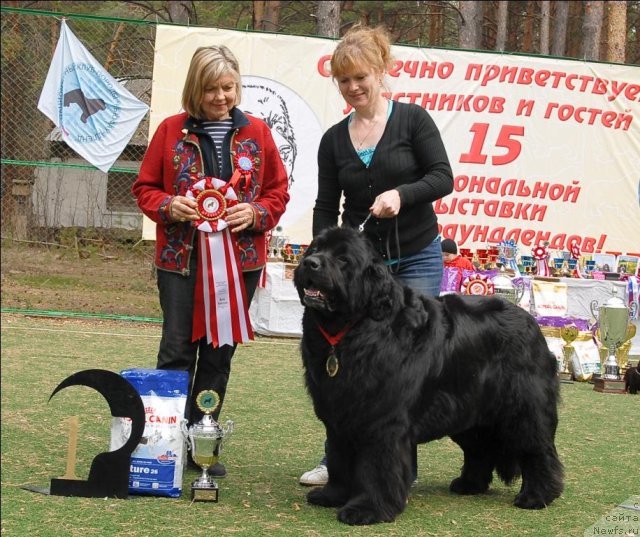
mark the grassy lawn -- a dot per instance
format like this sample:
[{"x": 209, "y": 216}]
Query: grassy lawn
[{"x": 276, "y": 439}]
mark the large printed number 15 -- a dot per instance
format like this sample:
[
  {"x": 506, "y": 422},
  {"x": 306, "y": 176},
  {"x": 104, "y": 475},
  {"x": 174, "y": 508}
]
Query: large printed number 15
[{"x": 506, "y": 139}]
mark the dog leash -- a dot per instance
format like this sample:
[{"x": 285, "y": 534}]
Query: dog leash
[
  {"x": 395, "y": 269},
  {"x": 361, "y": 226}
]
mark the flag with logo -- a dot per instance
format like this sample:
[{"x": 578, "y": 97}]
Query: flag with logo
[{"x": 96, "y": 115}]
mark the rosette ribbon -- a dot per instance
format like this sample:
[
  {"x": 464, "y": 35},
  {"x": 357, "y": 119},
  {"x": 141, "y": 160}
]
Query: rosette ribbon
[
  {"x": 633, "y": 286},
  {"x": 575, "y": 254},
  {"x": 477, "y": 284},
  {"x": 221, "y": 311},
  {"x": 541, "y": 255}
]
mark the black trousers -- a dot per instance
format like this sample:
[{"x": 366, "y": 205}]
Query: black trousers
[{"x": 209, "y": 367}]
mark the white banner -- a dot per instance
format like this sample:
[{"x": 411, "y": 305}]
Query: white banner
[
  {"x": 95, "y": 114},
  {"x": 542, "y": 149}
]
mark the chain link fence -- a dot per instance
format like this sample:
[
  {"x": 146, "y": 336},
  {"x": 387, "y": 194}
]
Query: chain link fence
[{"x": 47, "y": 189}]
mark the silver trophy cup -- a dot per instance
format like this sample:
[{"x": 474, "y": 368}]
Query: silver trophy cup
[
  {"x": 205, "y": 440},
  {"x": 613, "y": 319},
  {"x": 506, "y": 288}
]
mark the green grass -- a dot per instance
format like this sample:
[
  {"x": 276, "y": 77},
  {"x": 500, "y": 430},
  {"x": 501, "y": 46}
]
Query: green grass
[
  {"x": 276, "y": 439},
  {"x": 53, "y": 281}
]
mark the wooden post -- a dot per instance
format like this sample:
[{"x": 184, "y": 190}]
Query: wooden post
[{"x": 71, "y": 450}]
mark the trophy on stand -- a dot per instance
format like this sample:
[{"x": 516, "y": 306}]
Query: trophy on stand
[
  {"x": 205, "y": 441},
  {"x": 508, "y": 252},
  {"x": 613, "y": 321},
  {"x": 507, "y": 289},
  {"x": 569, "y": 333}
]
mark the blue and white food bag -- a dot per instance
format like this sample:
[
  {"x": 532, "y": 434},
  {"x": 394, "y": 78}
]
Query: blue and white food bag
[{"x": 158, "y": 461}]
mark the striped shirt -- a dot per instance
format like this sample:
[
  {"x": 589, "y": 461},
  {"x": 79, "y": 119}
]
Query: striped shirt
[{"x": 218, "y": 130}]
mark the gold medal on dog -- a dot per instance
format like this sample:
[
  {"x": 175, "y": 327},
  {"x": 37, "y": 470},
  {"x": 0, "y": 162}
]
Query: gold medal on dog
[{"x": 332, "y": 364}]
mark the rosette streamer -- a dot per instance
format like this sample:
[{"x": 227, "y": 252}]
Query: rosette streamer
[
  {"x": 575, "y": 254},
  {"x": 541, "y": 255},
  {"x": 221, "y": 311},
  {"x": 507, "y": 256},
  {"x": 632, "y": 290}
]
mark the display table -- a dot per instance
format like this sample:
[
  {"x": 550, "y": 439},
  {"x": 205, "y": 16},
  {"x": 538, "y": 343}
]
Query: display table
[
  {"x": 276, "y": 309},
  {"x": 579, "y": 295}
]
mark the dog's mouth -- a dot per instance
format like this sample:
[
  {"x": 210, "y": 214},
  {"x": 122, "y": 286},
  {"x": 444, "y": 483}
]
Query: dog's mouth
[{"x": 314, "y": 298}]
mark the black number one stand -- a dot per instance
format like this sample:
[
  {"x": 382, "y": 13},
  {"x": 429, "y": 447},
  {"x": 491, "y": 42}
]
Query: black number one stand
[{"x": 109, "y": 473}]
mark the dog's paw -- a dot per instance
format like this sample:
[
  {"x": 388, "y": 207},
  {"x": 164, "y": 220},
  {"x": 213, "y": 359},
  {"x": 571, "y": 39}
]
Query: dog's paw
[
  {"x": 466, "y": 488},
  {"x": 525, "y": 501},
  {"x": 358, "y": 516},
  {"x": 326, "y": 497}
]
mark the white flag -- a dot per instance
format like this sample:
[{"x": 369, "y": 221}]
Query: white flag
[{"x": 95, "y": 114}]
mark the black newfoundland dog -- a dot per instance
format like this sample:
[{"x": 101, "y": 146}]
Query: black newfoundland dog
[
  {"x": 632, "y": 380},
  {"x": 387, "y": 369}
]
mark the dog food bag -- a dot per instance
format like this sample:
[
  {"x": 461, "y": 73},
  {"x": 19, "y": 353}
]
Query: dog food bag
[
  {"x": 586, "y": 360},
  {"x": 158, "y": 461}
]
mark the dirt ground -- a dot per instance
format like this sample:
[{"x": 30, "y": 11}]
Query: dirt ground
[{"x": 117, "y": 282}]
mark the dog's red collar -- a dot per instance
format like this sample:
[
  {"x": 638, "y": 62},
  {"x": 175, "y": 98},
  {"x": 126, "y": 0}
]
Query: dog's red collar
[{"x": 334, "y": 340}]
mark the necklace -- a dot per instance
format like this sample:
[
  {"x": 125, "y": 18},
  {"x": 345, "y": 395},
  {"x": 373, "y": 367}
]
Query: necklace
[{"x": 364, "y": 138}]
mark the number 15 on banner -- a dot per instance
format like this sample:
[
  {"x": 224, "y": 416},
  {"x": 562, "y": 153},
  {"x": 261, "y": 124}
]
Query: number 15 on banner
[{"x": 507, "y": 139}]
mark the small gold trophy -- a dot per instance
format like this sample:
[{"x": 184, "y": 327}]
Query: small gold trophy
[
  {"x": 205, "y": 441},
  {"x": 569, "y": 333}
]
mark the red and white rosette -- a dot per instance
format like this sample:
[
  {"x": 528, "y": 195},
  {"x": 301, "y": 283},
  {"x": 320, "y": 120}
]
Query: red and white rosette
[
  {"x": 541, "y": 255},
  {"x": 477, "y": 284},
  {"x": 575, "y": 254},
  {"x": 221, "y": 311}
]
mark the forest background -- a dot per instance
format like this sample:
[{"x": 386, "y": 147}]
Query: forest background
[{"x": 121, "y": 36}]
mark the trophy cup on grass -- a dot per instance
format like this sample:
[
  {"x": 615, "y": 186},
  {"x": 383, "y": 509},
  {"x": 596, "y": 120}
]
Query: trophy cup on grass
[
  {"x": 613, "y": 320},
  {"x": 205, "y": 441}
]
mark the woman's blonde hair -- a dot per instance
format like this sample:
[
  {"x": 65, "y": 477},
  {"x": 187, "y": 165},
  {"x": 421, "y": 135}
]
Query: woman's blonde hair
[
  {"x": 208, "y": 64},
  {"x": 362, "y": 47}
]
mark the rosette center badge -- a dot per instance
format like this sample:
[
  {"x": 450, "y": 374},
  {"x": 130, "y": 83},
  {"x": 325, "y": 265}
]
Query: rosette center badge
[{"x": 211, "y": 205}]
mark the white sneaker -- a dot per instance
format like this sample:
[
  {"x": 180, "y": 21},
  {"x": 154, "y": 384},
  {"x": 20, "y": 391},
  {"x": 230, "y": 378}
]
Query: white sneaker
[{"x": 318, "y": 476}]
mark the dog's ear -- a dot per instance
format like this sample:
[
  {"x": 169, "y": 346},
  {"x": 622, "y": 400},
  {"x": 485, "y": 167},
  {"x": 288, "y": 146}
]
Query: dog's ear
[{"x": 379, "y": 291}]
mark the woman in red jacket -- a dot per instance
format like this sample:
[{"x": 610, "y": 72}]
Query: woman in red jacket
[{"x": 213, "y": 182}]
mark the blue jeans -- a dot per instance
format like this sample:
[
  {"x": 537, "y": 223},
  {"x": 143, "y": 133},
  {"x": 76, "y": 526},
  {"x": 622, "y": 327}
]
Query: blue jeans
[{"x": 421, "y": 272}]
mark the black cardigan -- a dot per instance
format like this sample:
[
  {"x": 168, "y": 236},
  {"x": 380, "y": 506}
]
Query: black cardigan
[{"x": 409, "y": 157}]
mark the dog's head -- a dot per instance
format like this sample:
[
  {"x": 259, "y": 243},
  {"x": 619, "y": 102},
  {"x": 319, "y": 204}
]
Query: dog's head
[{"x": 341, "y": 273}]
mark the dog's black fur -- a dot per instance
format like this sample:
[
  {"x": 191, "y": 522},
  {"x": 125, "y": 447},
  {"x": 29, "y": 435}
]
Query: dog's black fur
[
  {"x": 632, "y": 380},
  {"x": 413, "y": 369}
]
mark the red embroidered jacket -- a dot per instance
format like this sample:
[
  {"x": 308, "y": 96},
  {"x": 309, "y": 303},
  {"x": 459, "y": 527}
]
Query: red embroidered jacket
[{"x": 179, "y": 150}]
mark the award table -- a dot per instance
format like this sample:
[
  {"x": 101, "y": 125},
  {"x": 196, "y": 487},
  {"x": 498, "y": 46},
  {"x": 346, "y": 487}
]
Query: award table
[
  {"x": 276, "y": 309},
  {"x": 568, "y": 297}
]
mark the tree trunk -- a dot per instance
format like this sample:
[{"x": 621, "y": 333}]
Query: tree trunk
[
  {"x": 180, "y": 11},
  {"x": 435, "y": 28},
  {"x": 617, "y": 31},
  {"x": 527, "y": 37},
  {"x": 258, "y": 14},
  {"x": 271, "y": 16},
  {"x": 545, "y": 20},
  {"x": 560, "y": 23},
  {"x": 470, "y": 25},
  {"x": 501, "y": 33},
  {"x": 328, "y": 18},
  {"x": 113, "y": 46},
  {"x": 591, "y": 29}
]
